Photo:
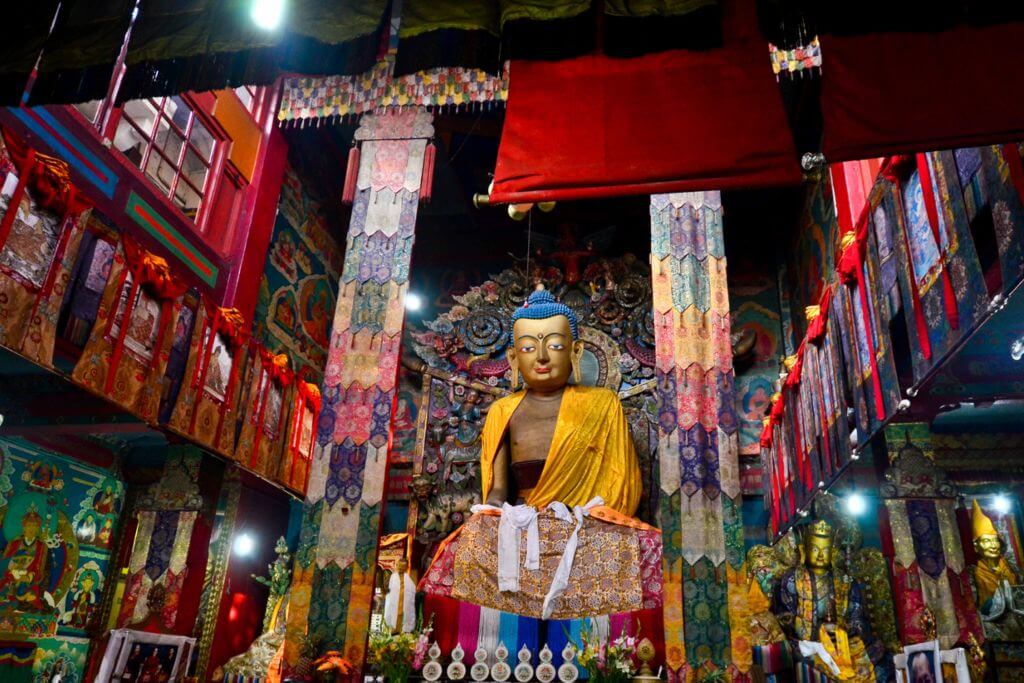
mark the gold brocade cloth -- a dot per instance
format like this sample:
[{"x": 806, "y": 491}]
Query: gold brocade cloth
[{"x": 617, "y": 568}]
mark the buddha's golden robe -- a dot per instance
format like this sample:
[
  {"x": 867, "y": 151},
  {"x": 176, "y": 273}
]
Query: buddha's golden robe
[
  {"x": 618, "y": 559},
  {"x": 591, "y": 453}
]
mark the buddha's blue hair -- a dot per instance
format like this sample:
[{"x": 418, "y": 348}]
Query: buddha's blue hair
[{"x": 541, "y": 304}]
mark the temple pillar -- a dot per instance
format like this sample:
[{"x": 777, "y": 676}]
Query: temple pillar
[
  {"x": 700, "y": 501},
  {"x": 332, "y": 584}
]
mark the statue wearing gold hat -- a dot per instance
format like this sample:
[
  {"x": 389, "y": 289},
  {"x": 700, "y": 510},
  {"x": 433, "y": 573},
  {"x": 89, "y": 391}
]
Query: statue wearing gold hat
[
  {"x": 995, "y": 577},
  {"x": 822, "y": 610}
]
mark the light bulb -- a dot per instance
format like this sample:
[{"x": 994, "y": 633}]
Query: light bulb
[
  {"x": 856, "y": 504},
  {"x": 267, "y": 14},
  {"x": 244, "y": 545},
  {"x": 413, "y": 301},
  {"x": 1001, "y": 504},
  {"x": 1017, "y": 348}
]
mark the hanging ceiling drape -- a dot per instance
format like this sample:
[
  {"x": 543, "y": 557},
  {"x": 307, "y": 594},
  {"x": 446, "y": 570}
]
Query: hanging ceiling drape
[
  {"x": 21, "y": 46},
  {"x": 673, "y": 121},
  {"x": 482, "y": 34},
  {"x": 209, "y": 44},
  {"x": 79, "y": 55},
  {"x": 899, "y": 92}
]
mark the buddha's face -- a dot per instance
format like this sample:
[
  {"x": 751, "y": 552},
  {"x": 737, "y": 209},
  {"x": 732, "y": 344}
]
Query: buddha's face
[
  {"x": 988, "y": 547},
  {"x": 543, "y": 351},
  {"x": 818, "y": 553}
]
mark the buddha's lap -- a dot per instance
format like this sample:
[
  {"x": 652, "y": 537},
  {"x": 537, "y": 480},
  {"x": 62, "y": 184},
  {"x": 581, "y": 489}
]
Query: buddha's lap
[{"x": 616, "y": 568}]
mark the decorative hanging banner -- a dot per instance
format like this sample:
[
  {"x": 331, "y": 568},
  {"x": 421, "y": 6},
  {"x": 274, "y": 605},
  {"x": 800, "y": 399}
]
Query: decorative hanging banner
[
  {"x": 207, "y": 405},
  {"x": 127, "y": 352},
  {"x": 264, "y": 425},
  {"x": 294, "y": 471},
  {"x": 167, "y": 515},
  {"x": 706, "y": 621},
  {"x": 916, "y": 211},
  {"x": 315, "y": 98},
  {"x": 43, "y": 221},
  {"x": 802, "y": 60}
]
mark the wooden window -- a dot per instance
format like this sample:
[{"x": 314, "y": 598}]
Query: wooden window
[{"x": 172, "y": 145}]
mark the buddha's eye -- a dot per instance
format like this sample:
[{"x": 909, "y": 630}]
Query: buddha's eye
[
  {"x": 557, "y": 347},
  {"x": 526, "y": 349}
]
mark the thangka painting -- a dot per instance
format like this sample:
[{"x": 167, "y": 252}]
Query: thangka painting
[
  {"x": 36, "y": 261},
  {"x": 60, "y": 659},
  {"x": 33, "y": 239},
  {"x": 925, "y": 253},
  {"x": 465, "y": 348},
  {"x": 58, "y": 518},
  {"x": 143, "y": 325},
  {"x": 299, "y": 285},
  {"x": 814, "y": 255},
  {"x": 755, "y": 309}
]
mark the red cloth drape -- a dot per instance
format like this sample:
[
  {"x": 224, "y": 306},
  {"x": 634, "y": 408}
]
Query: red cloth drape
[
  {"x": 887, "y": 93},
  {"x": 681, "y": 120}
]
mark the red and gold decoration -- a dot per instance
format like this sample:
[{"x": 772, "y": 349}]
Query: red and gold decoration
[
  {"x": 207, "y": 404},
  {"x": 264, "y": 422},
  {"x": 42, "y": 224},
  {"x": 127, "y": 352},
  {"x": 294, "y": 470}
]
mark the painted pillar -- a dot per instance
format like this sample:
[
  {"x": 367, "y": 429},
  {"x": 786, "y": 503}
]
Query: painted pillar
[
  {"x": 706, "y": 620},
  {"x": 332, "y": 584}
]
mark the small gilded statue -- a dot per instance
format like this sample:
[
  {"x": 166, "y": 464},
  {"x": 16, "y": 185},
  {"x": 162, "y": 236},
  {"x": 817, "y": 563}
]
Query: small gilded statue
[
  {"x": 278, "y": 579},
  {"x": 995, "y": 578},
  {"x": 821, "y": 608},
  {"x": 559, "y": 471}
]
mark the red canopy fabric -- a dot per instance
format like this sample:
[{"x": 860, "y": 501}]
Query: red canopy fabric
[
  {"x": 674, "y": 121},
  {"x": 893, "y": 93}
]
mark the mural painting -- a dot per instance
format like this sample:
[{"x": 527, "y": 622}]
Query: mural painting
[
  {"x": 56, "y": 519},
  {"x": 60, "y": 659},
  {"x": 299, "y": 285},
  {"x": 755, "y": 313}
]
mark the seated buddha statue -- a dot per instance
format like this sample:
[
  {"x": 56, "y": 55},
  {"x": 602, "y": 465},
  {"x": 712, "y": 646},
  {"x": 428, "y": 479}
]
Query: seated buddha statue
[
  {"x": 555, "y": 537},
  {"x": 822, "y": 611},
  {"x": 994, "y": 579}
]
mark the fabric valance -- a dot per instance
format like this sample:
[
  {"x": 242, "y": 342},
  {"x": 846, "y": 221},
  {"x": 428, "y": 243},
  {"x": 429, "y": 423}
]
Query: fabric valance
[
  {"x": 210, "y": 44},
  {"x": 954, "y": 88},
  {"x": 482, "y": 33},
  {"x": 79, "y": 56},
  {"x": 673, "y": 121},
  {"x": 179, "y": 46}
]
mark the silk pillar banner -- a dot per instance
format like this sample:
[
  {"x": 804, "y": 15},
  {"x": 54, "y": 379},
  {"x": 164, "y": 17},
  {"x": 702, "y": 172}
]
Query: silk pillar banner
[
  {"x": 43, "y": 220},
  {"x": 268, "y": 405},
  {"x": 705, "y": 612},
  {"x": 127, "y": 352},
  {"x": 939, "y": 273},
  {"x": 301, "y": 437},
  {"x": 929, "y": 570},
  {"x": 207, "y": 405},
  {"x": 338, "y": 543}
]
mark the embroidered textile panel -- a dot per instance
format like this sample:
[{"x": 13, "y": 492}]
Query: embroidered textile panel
[
  {"x": 338, "y": 542},
  {"x": 705, "y": 616}
]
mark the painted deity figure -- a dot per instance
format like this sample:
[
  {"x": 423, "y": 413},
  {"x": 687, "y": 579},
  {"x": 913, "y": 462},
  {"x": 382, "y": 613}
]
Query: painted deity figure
[
  {"x": 83, "y": 600},
  {"x": 27, "y": 570},
  {"x": 823, "y": 612},
  {"x": 995, "y": 578},
  {"x": 558, "y": 470}
]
